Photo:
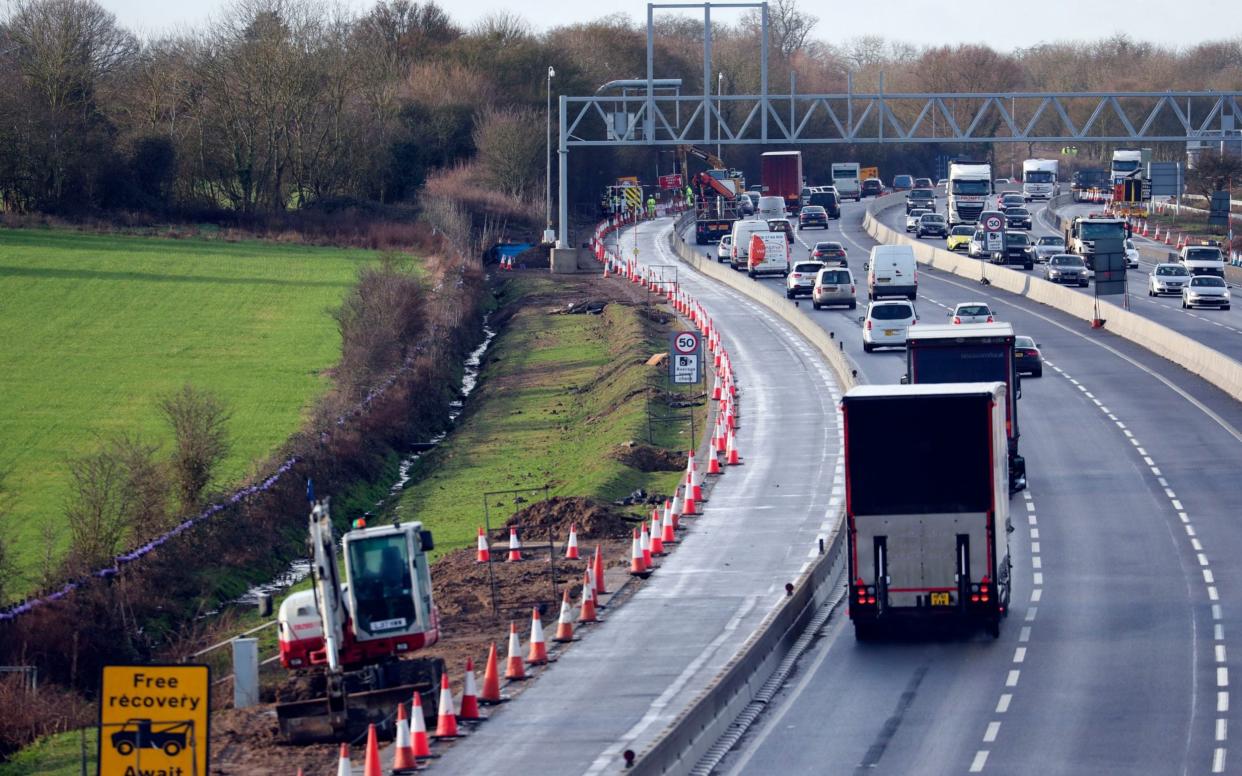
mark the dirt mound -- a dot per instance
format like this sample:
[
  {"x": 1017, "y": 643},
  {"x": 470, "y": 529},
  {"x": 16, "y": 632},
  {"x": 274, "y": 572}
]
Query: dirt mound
[
  {"x": 646, "y": 458},
  {"x": 554, "y": 516}
]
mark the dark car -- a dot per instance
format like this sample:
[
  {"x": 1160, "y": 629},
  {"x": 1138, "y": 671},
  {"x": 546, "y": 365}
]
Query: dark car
[
  {"x": 920, "y": 198},
  {"x": 813, "y": 216},
  {"x": 903, "y": 182},
  {"x": 932, "y": 225},
  {"x": 830, "y": 201},
  {"x": 831, "y": 254},
  {"x": 1027, "y": 357},
  {"x": 923, "y": 183},
  {"x": 1007, "y": 201},
  {"x": 872, "y": 188},
  {"x": 781, "y": 225},
  {"x": 1018, "y": 250},
  {"x": 1018, "y": 218}
]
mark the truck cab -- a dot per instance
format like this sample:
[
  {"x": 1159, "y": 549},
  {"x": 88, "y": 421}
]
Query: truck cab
[
  {"x": 1039, "y": 179},
  {"x": 1086, "y": 235},
  {"x": 970, "y": 184},
  {"x": 847, "y": 180}
]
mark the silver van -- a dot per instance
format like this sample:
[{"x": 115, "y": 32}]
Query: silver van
[
  {"x": 834, "y": 285},
  {"x": 771, "y": 207}
]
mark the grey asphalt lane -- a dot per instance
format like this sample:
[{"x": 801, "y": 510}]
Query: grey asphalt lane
[
  {"x": 629, "y": 677},
  {"x": 1128, "y": 561}
]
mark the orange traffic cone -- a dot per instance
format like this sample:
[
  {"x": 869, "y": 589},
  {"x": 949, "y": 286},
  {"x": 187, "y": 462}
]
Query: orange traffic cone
[
  {"x": 571, "y": 546},
  {"x": 657, "y": 536},
  {"x": 371, "y": 766},
  {"x": 418, "y": 729},
  {"x": 676, "y": 510},
  {"x": 564, "y": 623},
  {"x": 403, "y": 758},
  {"x": 668, "y": 531},
  {"x": 713, "y": 465},
  {"x": 515, "y": 546},
  {"x": 446, "y": 723},
  {"x": 491, "y": 680},
  {"x": 731, "y": 456},
  {"x": 597, "y": 570},
  {"x": 588, "y": 613},
  {"x": 638, "y": 567},
  {"x": 484, "y": 554},
  {"x": 644, "y": 541},
  {"x": 515, "y": 670},
  {"x": 538, "y": 646},
  {"x": 343, "y": 767},
  {"x": 689, "y": 507},
  {"x": 470, "y": 696}
]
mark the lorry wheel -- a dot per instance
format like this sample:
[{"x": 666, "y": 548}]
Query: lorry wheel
[
  {"x": 864, "y": 631},
  {"x": 172, "y": 748},
  {"x": 994, "y": 628},
  {"x": 125, "y": 748}
]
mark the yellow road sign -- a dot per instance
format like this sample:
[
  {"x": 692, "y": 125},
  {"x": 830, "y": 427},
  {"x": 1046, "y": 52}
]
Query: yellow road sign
[{"x": 153, "y": 720}]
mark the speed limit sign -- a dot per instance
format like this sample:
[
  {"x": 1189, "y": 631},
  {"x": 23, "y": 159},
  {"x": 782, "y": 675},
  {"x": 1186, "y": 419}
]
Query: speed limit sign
[
  {"x": 993, "y": 223},
  {"x": 684, "y": 363},
  {"x": 686, "y": 342}
]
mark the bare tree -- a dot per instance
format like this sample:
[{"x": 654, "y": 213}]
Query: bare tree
[
  {"x": 1214, "y": 171},
  {"x": 99, "y": 511},
  {"x": 199, "y": 422},
  {"x": 511, "y": 154}
]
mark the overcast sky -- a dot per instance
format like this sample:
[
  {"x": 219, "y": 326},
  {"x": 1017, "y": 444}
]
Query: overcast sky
[{"x": 1005, "y": 24}]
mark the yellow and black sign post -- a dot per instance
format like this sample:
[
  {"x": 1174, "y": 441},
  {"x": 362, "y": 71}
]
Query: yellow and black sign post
[{"x": 153, "y": 720}]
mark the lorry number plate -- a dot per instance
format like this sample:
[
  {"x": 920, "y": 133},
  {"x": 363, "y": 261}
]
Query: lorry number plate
[{"x": 941, "y": 599}]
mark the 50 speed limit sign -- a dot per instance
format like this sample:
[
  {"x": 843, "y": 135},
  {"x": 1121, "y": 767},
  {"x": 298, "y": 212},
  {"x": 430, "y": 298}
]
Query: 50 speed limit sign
[
  {"x": 684, "y": 357},
  {"x": 993, "y": 224}
]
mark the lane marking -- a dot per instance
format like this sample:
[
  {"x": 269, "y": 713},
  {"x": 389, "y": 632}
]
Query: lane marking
[{"x": 981, "y": 759}]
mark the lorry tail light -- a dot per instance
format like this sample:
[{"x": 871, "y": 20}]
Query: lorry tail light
[{"x": 957, "y": 319}]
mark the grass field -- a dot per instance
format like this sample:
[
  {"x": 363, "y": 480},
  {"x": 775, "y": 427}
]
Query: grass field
[
  {"x": 559, "y": 394},
  {"x": 97, "y": 328}
]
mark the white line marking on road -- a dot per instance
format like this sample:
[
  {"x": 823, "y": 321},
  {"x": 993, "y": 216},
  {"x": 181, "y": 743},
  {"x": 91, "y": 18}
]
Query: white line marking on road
[
  {"x": 1218, "y": 760},
  {"x": 981, "y": 759},
  {"x": 1222, "y": 677},
  {"x": 1222, "y": 729},
  {"x": 1177, "y": 505},
  {"x": 1036, "y": 595},
  {"x": 1030, "y": 613},
  {"x": 1212, "y": 594},
  {"x": 1194, "y": 542},
  {"x": 1012, "y": 679},
  {"x": 1039, "y": 578},
  {"x": 990, "y": 734},
  {"x": 1218, "y": 632},
  {"x": 1216, "y": 613},
  {"x": 1220, "y": 653},
  {"x": 1002, "y": 705},
  {"x": 1024, "y": 635},
  {"x": 1203, "y": 561},
  {"x": 1222, "y": 701},
  {"x": 1035, "y": 547},
  {"x": 1019, "y": 654},
  {"x": 1034, "y": 533},
  {"x": 1037, "y": 562}
]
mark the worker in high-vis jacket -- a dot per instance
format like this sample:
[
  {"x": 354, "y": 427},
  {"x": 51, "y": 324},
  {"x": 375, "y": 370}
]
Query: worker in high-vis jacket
[
  {"x": 651, "y": 206},
  {"x": 689, "y": 197}
]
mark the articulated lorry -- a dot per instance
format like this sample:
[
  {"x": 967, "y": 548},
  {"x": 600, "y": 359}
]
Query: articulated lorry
[
  {"x": 1039, "y": 179},
  {"x": 980, "y": 352},
  {"x": 927, "y": 515},
  {"x": 970, "y": 183},
  {"x": 781, "y": 176},
  {"x": 1127, "y": 163}
]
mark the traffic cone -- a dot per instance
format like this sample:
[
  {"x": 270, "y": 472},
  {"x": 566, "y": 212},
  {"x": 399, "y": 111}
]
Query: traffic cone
[
  {"x": 564, "y": 623},
  {"x": 515, "y": 669},
  {"x": 668, "y": 532},
  {"x": 588, "y": 613},
  {"x": 371, "y": 766},
  {"x": 637, "y": 567},
  {"x": 418, "y": 729},
  {"x": 403, "y": 751},
  {"x": 716, "y": 389},
  {"x": 446, "y": 723},
  {"x": 515, "y": 546},
  {"x": 484, "y": 554},
  {"x": 605, "y": 269},
  {"x": 731, "y": 456},
  {"x": 470, "y": 696},
  {"x": 571, "y": 546},
  {"x": 343, "y": 767},
  {"x": 713, "y": 465},
  {"x": 1168, "y": 233},
  {"x": 695, "y": 483},
  {"x": 676, "y": 510},
  {"x": 597, "y": 570},
  {"x": 1156, "y": 237},
  {"x": 491, "y": 680},
  {"x": 644, "y": 541},
  {"x": 1144, "y": 227},
  {"x": 657, "y": 536},
  {"x": 538, "y": 646}
]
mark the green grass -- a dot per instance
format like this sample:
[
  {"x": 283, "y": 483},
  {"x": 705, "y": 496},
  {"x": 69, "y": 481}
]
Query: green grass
[
  {"x": 58, "y": 755},
  {"x": 97, "y": 328},
  {"x": 559, "y": 393}
]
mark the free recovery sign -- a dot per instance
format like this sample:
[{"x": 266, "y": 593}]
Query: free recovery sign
[{"x": 153, "y": 720}]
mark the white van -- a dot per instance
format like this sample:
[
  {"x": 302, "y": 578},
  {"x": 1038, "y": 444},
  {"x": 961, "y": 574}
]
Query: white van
[
  {"x": 771, "y": 207},
  {"x": 892, "y": 271},
  {"x": 739, "y": 249},
  {"x": 768, "y": 255},
  {"x": 845, "y": 178}
]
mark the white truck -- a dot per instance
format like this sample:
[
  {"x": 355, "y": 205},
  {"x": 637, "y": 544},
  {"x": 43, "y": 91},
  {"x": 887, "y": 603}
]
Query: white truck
[
  {"x": 1039, "y": 179},
  {"x": 845, "y": 177},
  {"x": 1127, "y": 163},
  {"x": 970, "y": 183},
  {"x": 927, "y": 506}
]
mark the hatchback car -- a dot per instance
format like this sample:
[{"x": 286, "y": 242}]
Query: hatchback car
[
  {"x": 1132, "y": 255},
  {"x": 912, "y": 218},
  {"x": 932, "y": 225},
  {"x": 1049, "y": 245},
  {"x": 801, "y": 278},
  {"x": 1066, "y": 268},
  {"x": 1018, "y": 218},
  {"x": 829, "y": 254},
  {"x": 975, "y": 248},
  {"x": 1206, "y": 291},
  {"x": 1027, "y": 357},
  {"x": 834, "y": 285},
  {"x": 971, "y": 312},
  {"x": 959, "y": 238},
  {"x": 923, "y": 183},
  {"x": 812, "y": 216},
  {"x": 1167, "y": 279},
  {"x": 724, "y": 247},
  {"x": 886, "y": 324},
  {"x": 872, "y": 187}
]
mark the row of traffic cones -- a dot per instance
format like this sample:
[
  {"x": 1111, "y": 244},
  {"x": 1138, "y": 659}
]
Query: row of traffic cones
[{"x": 483, "y": 553}]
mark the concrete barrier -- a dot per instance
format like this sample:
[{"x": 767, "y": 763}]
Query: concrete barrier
[{"x": 1212, "y": 365}]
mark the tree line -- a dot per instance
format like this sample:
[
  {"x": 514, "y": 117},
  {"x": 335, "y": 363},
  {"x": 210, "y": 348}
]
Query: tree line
[{"x": 280, "y": 106}]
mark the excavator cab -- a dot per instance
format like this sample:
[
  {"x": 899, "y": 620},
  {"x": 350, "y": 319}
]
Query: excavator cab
[{"x": 389, "y": 593}]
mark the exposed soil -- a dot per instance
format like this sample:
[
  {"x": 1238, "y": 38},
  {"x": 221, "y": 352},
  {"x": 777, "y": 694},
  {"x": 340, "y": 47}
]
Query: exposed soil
[
  {"x": 646, "y": 458},
  {"x": 554, "y": 517}
]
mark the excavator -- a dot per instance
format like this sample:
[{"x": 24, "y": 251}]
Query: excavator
[
  {"x": 716, "y": 194},
  {"x": 350, "y": 639}
]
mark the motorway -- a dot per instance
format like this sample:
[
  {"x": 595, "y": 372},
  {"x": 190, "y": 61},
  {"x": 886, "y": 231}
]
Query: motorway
[
  {"x": 1128, "y": 560},
  {"x": 630, "y": 676}
]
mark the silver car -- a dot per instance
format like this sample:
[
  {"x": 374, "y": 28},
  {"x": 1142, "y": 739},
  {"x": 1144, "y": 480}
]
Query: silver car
[
  {"x": 975, "y": 249},
  {"x": 1206, "y": 291},
  {"x": 1167, "y": 279},
  {"x": 1048, "y": 245},
  {"x": 723, "y": 249},
  {"x": 834, "y": 285},
  {"x": 1132, "y": 255},
  {"x": 1066, "y": 268},
  {"x": 801, "y": 278},
  {"x": 912, "y": 218}
]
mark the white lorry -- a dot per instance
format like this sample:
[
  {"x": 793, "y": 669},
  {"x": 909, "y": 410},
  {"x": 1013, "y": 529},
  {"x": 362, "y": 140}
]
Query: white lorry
[
  {"x": 970, "y": 183},
  {"x": 845, "y": 177},
  {"x": 1039, "y": 179},
  {"x": 1127, "y": 163}
]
